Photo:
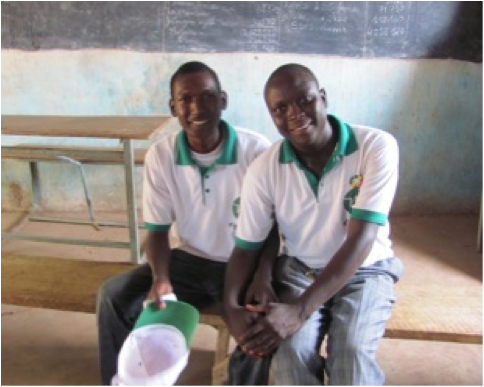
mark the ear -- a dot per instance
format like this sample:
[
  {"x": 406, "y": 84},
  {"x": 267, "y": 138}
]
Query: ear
[
  {"x": 225, "y": 99},
  {"x": 172, "y": 107},
  {"x": 322, "y": 93}
]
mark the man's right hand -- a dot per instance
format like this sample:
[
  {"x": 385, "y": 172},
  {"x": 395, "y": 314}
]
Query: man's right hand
[{"x": 160, "y": 288}]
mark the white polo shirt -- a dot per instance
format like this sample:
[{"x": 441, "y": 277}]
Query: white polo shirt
[
  {"x": 359, "y": 181},
  {"x": 201, "y": 203}
]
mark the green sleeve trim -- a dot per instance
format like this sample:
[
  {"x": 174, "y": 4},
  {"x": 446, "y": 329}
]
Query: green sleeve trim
[
  {"x": 245, "y": 245},
  {"x": 157, "y": 227},
  {"x": 369, "y": 216}
]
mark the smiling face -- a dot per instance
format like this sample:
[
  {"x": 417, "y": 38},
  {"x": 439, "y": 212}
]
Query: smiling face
[
  {"x": 197, "y": 102},
  {"x": 297, "y": 107}
]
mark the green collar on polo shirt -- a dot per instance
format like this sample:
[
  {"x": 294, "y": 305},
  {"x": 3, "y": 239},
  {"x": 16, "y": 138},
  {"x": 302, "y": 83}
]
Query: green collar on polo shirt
[
  {"x": 347, "y": 144},
  {"x": 228, "y": 156}
]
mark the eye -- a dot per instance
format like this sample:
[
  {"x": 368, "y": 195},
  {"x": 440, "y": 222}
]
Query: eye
[
  {"x": 280, "y": 109},
  {"x": 208, "y": 96},
  {"x": 307, "y": 99},
  {"x": 184, "y": 99}
]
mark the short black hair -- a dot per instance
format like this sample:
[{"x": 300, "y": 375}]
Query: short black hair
[
  {"x": 193, "y": 67},
  {"x": 289, "y": 68}
]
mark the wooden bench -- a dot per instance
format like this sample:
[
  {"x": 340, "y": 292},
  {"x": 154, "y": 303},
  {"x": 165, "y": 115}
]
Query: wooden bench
[
  {"x": 71, "y": 285},
  {"x": 83, "y": 154}
]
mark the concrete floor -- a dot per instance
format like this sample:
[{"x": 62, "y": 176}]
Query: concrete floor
[{"x": 46, "y": 347}]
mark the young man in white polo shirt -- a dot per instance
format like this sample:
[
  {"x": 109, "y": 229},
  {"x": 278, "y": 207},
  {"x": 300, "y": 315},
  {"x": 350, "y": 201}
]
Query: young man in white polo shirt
[
  {"x": 330, "y": 186},
  {"x": 191, "y": 188}
]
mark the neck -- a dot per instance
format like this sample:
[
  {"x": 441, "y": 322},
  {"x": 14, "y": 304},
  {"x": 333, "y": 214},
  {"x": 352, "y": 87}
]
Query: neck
[
  {"x": 316, "y": 157},
  {"x": 206, "y": 144}
]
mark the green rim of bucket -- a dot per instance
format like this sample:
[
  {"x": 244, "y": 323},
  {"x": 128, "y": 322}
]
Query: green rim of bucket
[{"x": 179, "y": 314}]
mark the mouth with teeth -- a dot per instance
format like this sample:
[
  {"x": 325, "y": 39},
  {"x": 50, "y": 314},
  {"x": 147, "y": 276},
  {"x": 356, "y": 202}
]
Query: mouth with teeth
[
  {"x": 300, "y": 129},
  {"x": 198, "y": 122}
]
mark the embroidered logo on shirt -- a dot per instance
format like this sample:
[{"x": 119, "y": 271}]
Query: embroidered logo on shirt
[{"x": 350, "y": 197}]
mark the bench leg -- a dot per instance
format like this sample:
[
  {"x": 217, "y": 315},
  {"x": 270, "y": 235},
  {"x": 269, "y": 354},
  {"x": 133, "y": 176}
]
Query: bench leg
[
  {"x": 36, "y": 194},
  {"x": 131, "y": 201},
  {"x": 25, "y": 216},
  {"x": 221, "y": 358},
  {"x": 219, "y": 373},
  {"x": 35, "y": 205},
  {"x": 479, "y": 230},
  {"x": 86, "y": 189}
]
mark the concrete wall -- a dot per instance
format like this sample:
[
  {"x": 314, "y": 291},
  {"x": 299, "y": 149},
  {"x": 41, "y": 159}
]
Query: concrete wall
[{"x": 433, "y": 107}]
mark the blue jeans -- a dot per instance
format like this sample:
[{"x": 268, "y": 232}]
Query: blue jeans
[
  {"x": 195, "y": 280},
  {"x": 354, "y": 320}
]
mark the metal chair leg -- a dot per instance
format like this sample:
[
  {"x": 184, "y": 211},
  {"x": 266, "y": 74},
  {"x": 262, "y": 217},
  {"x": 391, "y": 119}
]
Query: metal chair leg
[{"x": 86, "y": 190}]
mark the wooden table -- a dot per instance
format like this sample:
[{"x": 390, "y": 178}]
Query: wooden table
[{"x": 124, "y": 128}]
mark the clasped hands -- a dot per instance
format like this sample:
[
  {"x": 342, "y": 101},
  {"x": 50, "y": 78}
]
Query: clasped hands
[{"x": 261, "y": 325}]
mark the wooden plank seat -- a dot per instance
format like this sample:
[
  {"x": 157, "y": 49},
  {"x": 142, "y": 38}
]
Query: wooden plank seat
[
  {"x": 425, "y": 313},
  {"x": 83, "y": 154},
  {"x": 72, "y": 285},
  {"x": 68, "y": 284}
]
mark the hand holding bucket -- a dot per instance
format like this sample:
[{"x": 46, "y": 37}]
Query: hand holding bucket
[{"x": 157, "y": 350}]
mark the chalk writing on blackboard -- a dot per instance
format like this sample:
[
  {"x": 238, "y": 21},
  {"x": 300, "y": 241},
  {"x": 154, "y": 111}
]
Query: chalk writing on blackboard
[{"x": 399, "y": 29}]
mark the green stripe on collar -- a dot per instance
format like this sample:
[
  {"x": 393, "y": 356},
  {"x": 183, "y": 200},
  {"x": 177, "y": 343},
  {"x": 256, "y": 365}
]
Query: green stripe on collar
[
  {"x": 183, "y": 156},
  {"x": 347, "y": 143},
  {"x": 286, "y": 154},
  {"x": 228, "y": 156}
]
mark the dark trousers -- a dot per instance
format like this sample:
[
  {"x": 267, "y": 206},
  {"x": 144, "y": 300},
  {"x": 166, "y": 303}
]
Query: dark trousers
[{"x": 195, "y": 280}]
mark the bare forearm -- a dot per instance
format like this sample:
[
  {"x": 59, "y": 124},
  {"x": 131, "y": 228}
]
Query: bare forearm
[
  {"x": 158, "y": 253},
  {"x": 268, "y": 256},
  {"x": 239, "y": 273}
]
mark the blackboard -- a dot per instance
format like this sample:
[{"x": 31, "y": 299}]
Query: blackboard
[{"x": 399, "y": 29}]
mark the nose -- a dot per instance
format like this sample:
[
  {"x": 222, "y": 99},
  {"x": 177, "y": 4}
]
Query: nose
[
  {"x": 294, "y": 112},
  {"x": 197, "y": 105}
]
